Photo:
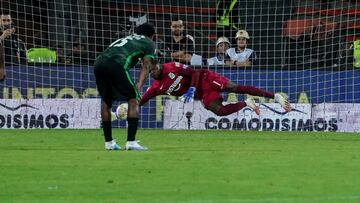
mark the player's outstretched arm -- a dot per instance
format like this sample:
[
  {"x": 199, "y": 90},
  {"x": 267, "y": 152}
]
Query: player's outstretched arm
[
  {"x": 189, "y": 95},
  {"x": 150, "y": 93},
  {"x": 190, "y": 72}
]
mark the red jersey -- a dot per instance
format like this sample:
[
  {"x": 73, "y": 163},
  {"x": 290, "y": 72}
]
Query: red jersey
[
  {"x": 177, "y": 78},
  {"x": 175, "y": 81}
]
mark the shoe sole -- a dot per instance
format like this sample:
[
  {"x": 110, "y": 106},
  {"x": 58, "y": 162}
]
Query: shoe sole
[
  {"x": 255, "y": 107},
  {"x": 134, "y": 149}
]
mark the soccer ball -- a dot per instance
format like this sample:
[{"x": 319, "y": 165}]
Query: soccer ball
[{"x": 121, "y": 111}]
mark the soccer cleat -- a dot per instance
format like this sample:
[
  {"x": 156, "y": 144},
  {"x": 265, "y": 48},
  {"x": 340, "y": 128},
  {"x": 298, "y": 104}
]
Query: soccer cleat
[
  {"x": 112, "y": 145},
  {"x": 251, "y": 103},
  {"x": 283, "y": 102},
  {"x": 134, "y": 145}
]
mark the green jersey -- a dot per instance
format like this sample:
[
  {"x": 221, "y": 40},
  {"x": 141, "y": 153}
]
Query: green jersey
[{"x": 128, "y": 50}]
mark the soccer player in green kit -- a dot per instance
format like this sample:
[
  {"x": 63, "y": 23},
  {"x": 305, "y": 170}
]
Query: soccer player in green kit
[{"x": 113, "y": 80}]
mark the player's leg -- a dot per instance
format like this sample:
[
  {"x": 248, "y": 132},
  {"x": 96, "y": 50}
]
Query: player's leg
[
  {"x": 221, "y": 83},
  {"x": 212, "y": 101},
  {"x": 133, "y": 120},
  {"x": 223, "y": 110},
  {"x": 110, "y": 143},
  {"x": 244, "y": 89},
  {"x": 122, "y": 85},
  {"x": 127, "y": 88},
  {"x": 106, "y": 120},
  {"x": 103, "y": 87}
]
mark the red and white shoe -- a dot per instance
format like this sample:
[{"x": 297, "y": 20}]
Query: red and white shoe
[
  {"x": 251, "y": 103},
  {"x": 283, "y": 102}
]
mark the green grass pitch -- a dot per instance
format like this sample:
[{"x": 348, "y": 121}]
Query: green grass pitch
[{"x": 181, "y": 166}]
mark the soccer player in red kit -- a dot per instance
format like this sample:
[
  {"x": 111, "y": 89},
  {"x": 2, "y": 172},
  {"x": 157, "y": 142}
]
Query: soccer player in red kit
[{"x": 178, "y": 79}]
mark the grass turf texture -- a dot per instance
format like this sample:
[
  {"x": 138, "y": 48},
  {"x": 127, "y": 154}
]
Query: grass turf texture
[{"x": 181, "y": 166}]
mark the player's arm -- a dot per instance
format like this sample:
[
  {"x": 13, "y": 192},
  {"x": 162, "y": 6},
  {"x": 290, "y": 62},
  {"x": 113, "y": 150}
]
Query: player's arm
[
  {"x": 195, "y": 79},
  {"x": 143, "y": 73},
  {"x": 194, "y": 75},
  {"x": 247, "y": 62},
  {"x": 189, "y": 72},
  {"x": 150, "y": 93},
  {"x": 2, "y": 64},
  {"x": 147, "y": 61},
  {"x": 189, "y": 95}
]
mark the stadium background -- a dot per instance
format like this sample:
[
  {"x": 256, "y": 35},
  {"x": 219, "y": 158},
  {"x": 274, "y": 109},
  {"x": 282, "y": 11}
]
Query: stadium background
[
  {"x": 182, "y": 166},
  {"x": 281, "y": 66}
]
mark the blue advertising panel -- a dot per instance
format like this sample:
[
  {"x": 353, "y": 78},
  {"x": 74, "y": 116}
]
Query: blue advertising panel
[{"x": 301, "y": 86}]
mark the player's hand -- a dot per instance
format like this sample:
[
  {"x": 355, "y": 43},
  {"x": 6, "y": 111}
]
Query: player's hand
[
  {"x": 6, "y": 33},
  {"x": 138, "y": 87},
  {"x": 189, "y": 95}
]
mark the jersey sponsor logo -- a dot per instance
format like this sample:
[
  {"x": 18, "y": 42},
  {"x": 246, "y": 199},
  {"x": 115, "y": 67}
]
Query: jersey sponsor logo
[
  {"x": 178, "y": 87},
  {"x": 171, "y": 75},
  {"x": 175, "y": 86}
]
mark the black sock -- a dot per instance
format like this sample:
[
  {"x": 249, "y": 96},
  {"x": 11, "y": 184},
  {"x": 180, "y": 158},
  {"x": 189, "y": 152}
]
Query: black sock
[
  {"x": 107, "y": 131},
  {"x": 132, "y": 128}
]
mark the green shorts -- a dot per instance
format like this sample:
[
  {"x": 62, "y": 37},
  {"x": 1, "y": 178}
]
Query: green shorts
[{"x": 113, "y": 81}]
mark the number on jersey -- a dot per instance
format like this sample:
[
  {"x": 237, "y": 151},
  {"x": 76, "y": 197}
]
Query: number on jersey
[{"x": 121, "y": 42}]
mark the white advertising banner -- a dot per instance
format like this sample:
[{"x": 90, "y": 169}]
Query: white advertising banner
[
  {"x": 343, "y": 117},
  {"x": 273, "y": 118},
  {"x": 49, "y": 113}
]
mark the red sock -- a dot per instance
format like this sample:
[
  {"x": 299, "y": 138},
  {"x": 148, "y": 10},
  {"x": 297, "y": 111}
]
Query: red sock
[
  {"x": 230, "y": 108},
  {"x": 254, "y": 91}
]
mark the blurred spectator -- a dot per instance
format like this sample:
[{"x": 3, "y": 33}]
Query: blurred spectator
[
  {"x": 60, "y": 55},
  {"x": 14, "y": 48},
  {"x": 196, "y": 60},
  {"x": 79, "y": 54},
  {"x": 179, "y": 44},
  {"x": 2, "y": 64},
  {"x": 241, "y": 56},
  {"x": 222, "y": 44}
]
